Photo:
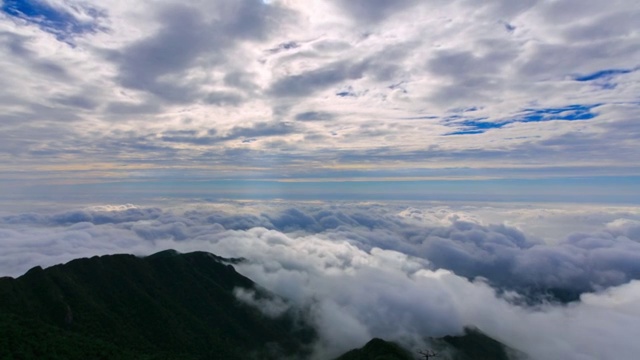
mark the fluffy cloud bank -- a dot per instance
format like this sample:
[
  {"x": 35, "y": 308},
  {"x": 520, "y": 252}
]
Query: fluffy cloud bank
[{"x": 385, "y": 270}]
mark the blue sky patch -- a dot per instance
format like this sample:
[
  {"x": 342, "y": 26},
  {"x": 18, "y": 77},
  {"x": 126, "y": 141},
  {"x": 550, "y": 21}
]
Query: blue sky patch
[
  {"x": 466, "y": 132},
  {"x": 345, "y": 93},
  {"x": 602, "y": 74},
  {"x": 603, "y": 78},
  {"x": 476, "y": 126},
  {"x": 50, "y": 19},
  {"x": 480, "y": 125},
  {"x": 568, "y": 113}
]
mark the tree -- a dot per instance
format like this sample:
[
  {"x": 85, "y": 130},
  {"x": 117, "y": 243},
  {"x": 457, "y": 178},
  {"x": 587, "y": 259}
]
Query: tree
[{"x": 428, "y": 354}]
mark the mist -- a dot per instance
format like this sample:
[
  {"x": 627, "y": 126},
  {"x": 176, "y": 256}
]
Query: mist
[{"x": 402, "y": 273}]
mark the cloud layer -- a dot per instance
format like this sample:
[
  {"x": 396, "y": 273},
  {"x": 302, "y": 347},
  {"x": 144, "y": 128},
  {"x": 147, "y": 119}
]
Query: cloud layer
[
  {"x": 387, "y": 270},
  {"x": 122, "y": 89}
]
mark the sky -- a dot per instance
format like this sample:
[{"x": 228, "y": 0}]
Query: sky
[
  {"x": 534, "y": 100},
  {"x": 397, "y": 169}
]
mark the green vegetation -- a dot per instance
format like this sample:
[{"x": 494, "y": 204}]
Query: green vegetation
[
  {"x": 165, "y": 306},
  {"x": 472, "y": 345},
  {"x": 475, "y": 345},
  {"x": 378, "y": 349},
  {"x": 168, "y": 306}
]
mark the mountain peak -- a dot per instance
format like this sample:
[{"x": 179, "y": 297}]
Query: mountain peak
[{"x": 178, "y": 305}]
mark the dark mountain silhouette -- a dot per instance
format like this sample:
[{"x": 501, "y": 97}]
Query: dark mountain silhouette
[
  {"x": 378, "y": 349},
  {"x": 472, "y": 345},
  {"x": 167, "y": 306},
  {"x": 475, "y": 345}
]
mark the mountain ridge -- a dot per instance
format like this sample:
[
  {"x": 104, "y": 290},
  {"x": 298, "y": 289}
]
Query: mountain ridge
[{"x": 167, "y": 305}]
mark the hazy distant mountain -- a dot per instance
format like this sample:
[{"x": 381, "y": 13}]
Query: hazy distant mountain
[{"x": 165, "y": 306}]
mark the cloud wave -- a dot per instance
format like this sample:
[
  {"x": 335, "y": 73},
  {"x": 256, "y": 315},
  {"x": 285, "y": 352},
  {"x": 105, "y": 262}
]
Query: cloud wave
[{"x": 365, "y": 270}]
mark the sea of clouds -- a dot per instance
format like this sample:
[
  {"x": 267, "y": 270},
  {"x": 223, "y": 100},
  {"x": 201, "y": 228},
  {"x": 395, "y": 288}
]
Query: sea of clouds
[{"x": 393, "y": 270}]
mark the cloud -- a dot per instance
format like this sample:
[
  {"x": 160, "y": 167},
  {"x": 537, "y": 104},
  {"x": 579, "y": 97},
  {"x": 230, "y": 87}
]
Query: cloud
[
  {"x": 519, "y": 100},
  {"x": 310, "y": 82},
  {"x": 17, "y": 46},
  {"x": 272, "y": 307},
  {"x": 57, "y": 17},
  {"x": 223, "y": 98},
  {"x": 391, "y": 77},
  {"x": 505, "y": 256},
  {"x": 260, "y": 129},
  {"x": 169, "y": 51},
  {"x": 374, "y": 11},
  {"x": 191, "y": 39},
  {"x": 480, "y": 125},
  {"x": 625, "y": 227},
  {"x": 314, "y": 116},
  {"x": 602, "y": 74},
  {"x": 385, "y": 270}
]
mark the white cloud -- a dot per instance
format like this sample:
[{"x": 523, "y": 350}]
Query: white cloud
[
  {"x": 110, "y": 94},
  {"x": 365, "y": 270}
]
